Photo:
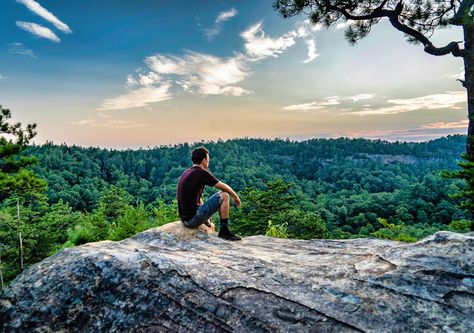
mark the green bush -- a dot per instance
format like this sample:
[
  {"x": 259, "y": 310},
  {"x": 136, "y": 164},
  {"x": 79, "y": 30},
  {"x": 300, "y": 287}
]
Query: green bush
[
  {"x": 132, "y": 221},
  {"x": 276, "y": 231},
  {"x": 460, "y": 226}
]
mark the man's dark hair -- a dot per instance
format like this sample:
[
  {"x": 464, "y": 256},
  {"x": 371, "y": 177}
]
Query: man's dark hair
[{"x": 199, "y": 154}]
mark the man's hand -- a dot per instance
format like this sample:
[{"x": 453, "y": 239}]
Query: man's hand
[
  {"x": 226, "y": 188},
  {"x": 237, "y": 201}
]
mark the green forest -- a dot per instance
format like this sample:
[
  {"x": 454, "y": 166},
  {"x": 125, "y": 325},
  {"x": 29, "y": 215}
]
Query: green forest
[{"x": 56, "y": 196}]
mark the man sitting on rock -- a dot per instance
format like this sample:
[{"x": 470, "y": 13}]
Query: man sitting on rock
[{"x": 192, "y": 211}]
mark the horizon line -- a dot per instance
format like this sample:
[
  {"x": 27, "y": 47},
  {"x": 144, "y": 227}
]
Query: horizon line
[{"x": 221, "y": 140}]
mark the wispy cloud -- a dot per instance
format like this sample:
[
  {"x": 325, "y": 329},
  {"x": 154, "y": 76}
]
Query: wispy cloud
[
  {"x": 204, "y": 74},
  {"x": 320, "y": 105},
  {"x": 259, "y": 46},
  {"x": 224, "y": 16},
  {"x": 3, "y": 77},
  {"x": 421, "y": 133},
  {"x": 138, "y": 98},
  {"x": 361, "y": 97},
  {"x": 38, "y": 30},
  {"x": 20, "y": 49},
  {"x": 196, "y": 73},
  {"x": 325, "y": 102},
  {"x": 39, "y": 10},
  {"x": 331, "y": 100},
  {"x": 221, "y": 18},
  {"x": 311, "y": 51},
  {"x": 303, "y": 107},
  {"x": 118, "y": 124},
  {"x": 83, "y": 122},
  {"x": 458, "y": 76},
  {"x": 448, "y": 100},
  {"x": 145, "y": 80},
  {"x": 447, "y": 125}
]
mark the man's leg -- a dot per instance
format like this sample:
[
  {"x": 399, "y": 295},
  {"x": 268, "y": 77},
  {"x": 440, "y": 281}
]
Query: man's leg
[
  {"x": 224, "y": 231},
  {"x": 205, "y": 211},
  {"x": 225, "y": 204}
]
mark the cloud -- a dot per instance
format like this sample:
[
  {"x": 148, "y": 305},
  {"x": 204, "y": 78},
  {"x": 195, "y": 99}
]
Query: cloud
[
  {"x": 224, "y": 16},
  {"x": 39, "y": 10},
  {"x": 138, "y": 98},
  {"x": 308, "y": 25},
  {"x": 443, "y": 125},
  {"x": 325, "y": 102},
  {"x": 205, "y": 74},
  {"x": 3, "y": 77},
  {"x": 319, "y": 105},
  {"x": 221, "y": 18},
  {"x": 147, "y": 79},
  {"x": 303, "y": 107},
  {"x": 196, "y": 73},
  {"x": 118, "y": 124},
  {"x": 38, "y": 30},
  {"x": 331, "y": 100},
  {"x": 311, "y": 51},
  {"x": 103, "y": 115},
  {"x": 458, "y": 76},
  {"x": 361, "y": 97},
  {"x": 19, "y": 48},
  {"x": 258, "y": 46},
  {"x": 202, "y": 73},
  {"x": 345, "y": 24},
  {"x": 448, "y": 100},
  {"x": 420, "y": 133},
  {"x": 83, "y": 122}
]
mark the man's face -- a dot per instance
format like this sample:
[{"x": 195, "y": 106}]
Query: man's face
[{"x": 206, "y": 161}]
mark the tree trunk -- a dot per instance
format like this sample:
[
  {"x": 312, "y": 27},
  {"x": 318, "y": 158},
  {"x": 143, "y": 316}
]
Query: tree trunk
[
  {"x": 1, "y": 274},
  {"x": 469, "y": 84},
  {"x": 19, "y": 233}
]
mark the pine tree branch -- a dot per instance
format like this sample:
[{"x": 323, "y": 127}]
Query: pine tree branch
[{"x": 393, "y": 15}]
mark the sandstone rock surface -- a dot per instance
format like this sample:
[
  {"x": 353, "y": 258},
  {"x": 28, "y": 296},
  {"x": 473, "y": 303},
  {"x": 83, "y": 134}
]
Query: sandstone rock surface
[{"x": 174, "y": 279}]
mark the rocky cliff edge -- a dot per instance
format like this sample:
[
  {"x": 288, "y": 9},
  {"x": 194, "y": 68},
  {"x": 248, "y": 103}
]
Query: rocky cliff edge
[{"x": 174, "y": 279}]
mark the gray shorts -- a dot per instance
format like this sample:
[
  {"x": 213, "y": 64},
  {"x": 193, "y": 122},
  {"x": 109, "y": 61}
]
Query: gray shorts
[{"x": 205, "y": 211}]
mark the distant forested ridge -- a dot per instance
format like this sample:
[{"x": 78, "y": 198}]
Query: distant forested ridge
[
  {"x": 319, "y": 168},
  {"x": 349, "y": 183},
  {"x": 320, "y": 188}
]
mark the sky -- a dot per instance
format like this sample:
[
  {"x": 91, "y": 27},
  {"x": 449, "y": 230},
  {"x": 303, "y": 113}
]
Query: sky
[{"x": 128, "y": 74}]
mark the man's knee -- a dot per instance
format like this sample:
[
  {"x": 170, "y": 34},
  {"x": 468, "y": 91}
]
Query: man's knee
[{"x": 224, "y": 195}]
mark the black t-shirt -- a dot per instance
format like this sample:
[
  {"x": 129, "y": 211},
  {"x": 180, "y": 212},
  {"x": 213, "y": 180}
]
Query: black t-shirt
[{"x": 190, "y": 187}]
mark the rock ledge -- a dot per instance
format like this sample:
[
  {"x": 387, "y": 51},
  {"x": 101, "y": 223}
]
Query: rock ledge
[{"x": 174, "y": 279}]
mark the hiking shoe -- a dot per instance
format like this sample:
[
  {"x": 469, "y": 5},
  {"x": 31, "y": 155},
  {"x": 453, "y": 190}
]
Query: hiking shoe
[{"x": 225, "y": 233}]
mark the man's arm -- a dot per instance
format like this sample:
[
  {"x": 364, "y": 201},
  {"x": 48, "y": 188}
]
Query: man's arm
[{"x": 226, "y": 188}]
